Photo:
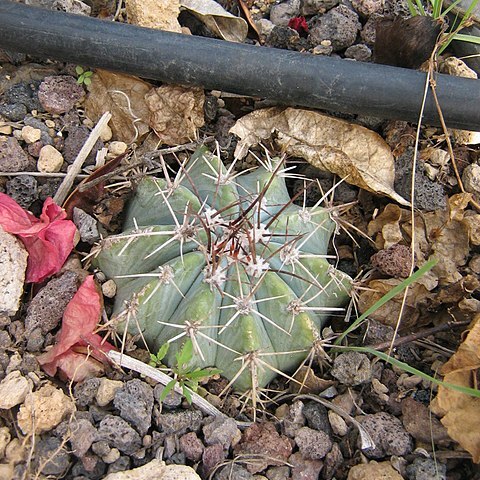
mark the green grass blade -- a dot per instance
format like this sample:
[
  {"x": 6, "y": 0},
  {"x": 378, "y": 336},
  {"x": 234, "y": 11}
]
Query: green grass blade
[
  {"x": 407, "y": 368},
  {"x": 168, "y": 388},
  {"x": 466, "y": 38},
  {"x": 388, "y": 296}
]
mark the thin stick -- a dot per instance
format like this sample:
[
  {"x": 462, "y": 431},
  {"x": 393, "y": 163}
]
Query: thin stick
[
  {"x": 144, "y": 369},
  {"x": 67, "y": 183}
]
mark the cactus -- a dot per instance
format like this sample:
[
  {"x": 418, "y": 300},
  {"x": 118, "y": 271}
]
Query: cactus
[{"x": 229, "y": 261}]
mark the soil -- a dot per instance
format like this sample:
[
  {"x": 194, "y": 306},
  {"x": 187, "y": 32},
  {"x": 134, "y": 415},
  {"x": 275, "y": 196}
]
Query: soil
[{"x": 117, "y": 421}]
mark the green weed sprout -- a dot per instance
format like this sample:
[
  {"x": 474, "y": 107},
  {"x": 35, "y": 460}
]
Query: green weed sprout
[
  {"x": 228, "y": 261},
  {"x": 83, "y": 75}
]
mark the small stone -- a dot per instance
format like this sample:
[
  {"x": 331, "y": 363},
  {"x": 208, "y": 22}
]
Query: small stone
[
  {"x": 313, "y": 444},
  {"x": 50, "y": 160},
  {"x": 426, "y": 469},
  {"x": 388, "y": 434},
  {"x": 359, "y": 52},
  {"x": 156, "y": 470},
  {"x": 84, "y": 392},
  {"x": 212, "y": 456},
  {"x": 5, "y": 438},
  {"x": 59, "y": 94},
  {"x": 264, "y": 26},
  {"x": 317, "y": 417},
  {"x": 179, "y": 422},
  {"x": 332, "y": 462},
  {"x": 14, "y": 388},
  {"x": 109, "y": 288},
  {"x": 171, "y": 401},
  {"x": 322, "y": 50},
  {"x": 23, "y": 189},
  {"x": 339, "y": 426},
  {"x": 112, "y": 456},
  {"x": 30, "y": 134},
  {"x": 294, "y": 420},
  {"x": 352, "y": 368},
  {"x": 119, "y": 434},
  {"x": 7, "y": 470},
  {"x": 263, "y": 440},
  {"x": 222, "y": 430},
  {"x": 83, "y": 435},
  {"x": 117, "y": 148},
  {"x": 12, "y": 156},
  {"x": 77, "y": 136},
  {"x": 35, "y": 148},
  {"x": 374, "y": 470},
  {"x": 107, "y": 390},
  {"x": 47, "y": 307},
  {"x": 368, "y": 7},
  {"x": 471, "y": 178},
  {"x": 281, "y": 13},
  {"x": 16, "y": 451},
  {"x": 106, "y": 134},
  {"x": 234, "y": 472},
  {"x": 305, "y": 469},
  {"x": 13, "y": 264},
  {"x": 5, "y": 130},
  {"x": 49, "y": 406},
  {"x": 86, "y": 225},
  {"x": 192, "y": 446},
  {"x": 394, "y": 261},
  {"x": 51, "y": 457},
  {"x": 278, "y": 473},
  {"x": 135, "y": 402}
]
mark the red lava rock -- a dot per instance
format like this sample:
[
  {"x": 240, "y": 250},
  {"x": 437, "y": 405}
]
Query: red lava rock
[
  {"x": 212, "y": 456},
  {"x": 12, "y": 156},
  {"x": 59, "y": 94},
  {"x": 34, "y": 148},
  {"x": 421, "y": 424},
  {"x": 191, "y": 446},
  {"x": 263, "y": 439},
  {"x": 394, "y": 261},
  {"x": 313, "y": 444},
  {"x": 304, "y": 469}
]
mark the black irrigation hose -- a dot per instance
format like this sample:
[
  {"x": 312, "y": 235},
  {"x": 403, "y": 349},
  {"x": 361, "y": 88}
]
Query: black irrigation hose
[{"x": 290, "y": 78}]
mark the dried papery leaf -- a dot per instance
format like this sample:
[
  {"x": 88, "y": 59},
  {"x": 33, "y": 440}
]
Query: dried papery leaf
[
  {"x": 217, "y": 19},
  {"x": 388, "y": 313},
  {"x": 461, "y": 412},
  {"x": 386, "y": 227},
  {"x": 176, "y": 112},
  {"x": 124, "y": 97},
  {"x": 154, "y": 14},
  {"x": 356, "y": 154}
]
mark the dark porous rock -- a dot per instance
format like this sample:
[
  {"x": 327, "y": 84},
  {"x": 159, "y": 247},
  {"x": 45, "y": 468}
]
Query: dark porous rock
[
  {"x": 86, "y": 225},
  {"x": 352, "y": 368},
  {"x": 179, "y": 422},
  {"x": 13, "y": 111},
  {"x": 388, "y": 434},
  {"x": 222, "y": 430},
  {"x": 90, "y": 467},
  {"x": 340, "y": 25},
  {"x": 34, "y": 148},
  {"x": 394, "y": 261},
  {"x": 83, "y": 434},
  {"x": 85, "y": 391},
  {"x": 29, "y": 363},
  {"x": 263, "y": 439},
  {"x": 47, "y": 307},
  {"x": 283, "y": 37},
  {"x": 421, "y": 424},
  {"x": 101, "y": 448},
  {"x": 119, "y": 434},
  {"x": 376, "y": 332},
  {"x": 51, "y": 457},
  {"x": 429, "y": 195},
  {"x": 12, "y": 156},
  {"x": 120, "y": 465},
  {"x": 35, "y": 340},
  {"x": 426, "y": 469},
  {"x": 313, "y": 444},
  {"x": 317, "y": 417},
  {"x": 18, "y": 100},
  {"x": 359, "y": 52},
  {"x": 59, "y": 94},
  {"x": 77, "y": 136},
  {"x": 135, "y": 403},
  {"x": 233, "y": 471},
  {"x": 23, "y": 189},
  {"x": 303, "y": 468},
  {"x": 191, "y": 446},
  {"x": 212, "y": 456},
  {"x": 331, "y": 463}
]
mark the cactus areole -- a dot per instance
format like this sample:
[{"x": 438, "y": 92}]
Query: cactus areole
[{"x": 229, "y": 261}]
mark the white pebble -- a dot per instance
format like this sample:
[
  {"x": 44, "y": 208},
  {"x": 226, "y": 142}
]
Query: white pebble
[
  {"x": 109, "y": 288},
  {"x": 117, "y": 148},
  {"x": 50, "y": 160},
  {"x": 30, "y": 134},
  {"x": 337, "y": 423},
  {"x": 106, "y": 134}
]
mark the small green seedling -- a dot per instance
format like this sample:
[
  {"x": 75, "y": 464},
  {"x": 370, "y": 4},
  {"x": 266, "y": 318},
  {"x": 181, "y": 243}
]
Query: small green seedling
[
  {"x": 83, "y": 75},
  {"x": 186, "y": 378}
]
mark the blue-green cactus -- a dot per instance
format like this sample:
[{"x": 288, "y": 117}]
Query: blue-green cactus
[{"x": 229, "y": 261}]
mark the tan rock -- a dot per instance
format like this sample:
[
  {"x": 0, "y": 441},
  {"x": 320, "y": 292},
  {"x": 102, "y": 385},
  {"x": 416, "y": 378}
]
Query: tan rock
[
  {"x": 154, "y": 14},
  {"x": 13, "y": 263},
  {"x": 31, "y": 134},
  {"x": 107, "y": 390},
  {"x": 374, "y": 470},
  {"x": 5, "y": 438},
  {"x": 50, "y": 160},
  {"x": 6, "y": 470},
  {"x": 13, "y": 390},
  {"x": 16, "y": 452},
  {"x": 156, "y": 470},
  {"x": 106, "y": 134},
  {"x": 44, "y": 409},
  {"x": 109, "y": 288},
  {"x": 117, "y": 148},
  {"x": 5, "y": 129}
]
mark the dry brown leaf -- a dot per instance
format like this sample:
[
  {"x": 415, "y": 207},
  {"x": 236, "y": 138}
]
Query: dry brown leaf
[
  {"x": 176, "y": 112},
  {"x": 354, "y": 153},
  {"x": 386, "y": 227},
  {"x": 461, "y": 412},
  {"x": 388, "y": 314},
  {"x": 124, "y": 97},
  {"x": 161, "y": 14},
  {"x": 217, "y": 19}
]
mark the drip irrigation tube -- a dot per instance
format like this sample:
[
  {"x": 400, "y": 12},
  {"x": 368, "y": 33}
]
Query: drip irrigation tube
[{"x": 290, "y": 78}]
